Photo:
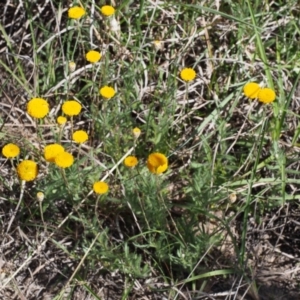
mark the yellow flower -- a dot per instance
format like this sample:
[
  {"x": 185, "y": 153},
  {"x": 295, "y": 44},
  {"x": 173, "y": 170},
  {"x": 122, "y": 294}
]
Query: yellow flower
[
  {"x": 107, "y": 10},
  {"x": 107, "y": 92},
  {"x": 187, "y": 74},
  {"x": 10, "y": 150},
  {"x": 51, "y": 151},
  {"x": 71, "y": 108},
  {"x": 61, "y": 120},
  {"x": 80, "y": 136},
  {"x": 100, "y": 187},
  {"x": 37, "y": 108},
  {"x": 130, "y": 161},
  {"x": 76, "y": 12},
  {"x": 251, "y": 90},
  {"x": 64, "y": 160},
  {"x": 40, "y": 196},
  {"x": 27, "y": 170},
  {"x": 93, "y": 56},
  {"x": 136, "y": 132},
  {"x": 157, "y": 163},
  {"x": 266, "y": 95}
]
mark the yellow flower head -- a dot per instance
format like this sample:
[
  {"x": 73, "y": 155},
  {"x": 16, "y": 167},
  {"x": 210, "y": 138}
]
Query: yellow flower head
[
  {"x": 61, "y": 120},
  {"x": 187, "y": 74},
  {"x": 80, "y": 136},
  {"x": 10, "y": 150},
  {"x": 100, "y": 187},
  {"x": 107, "y": 92},
  {"x": 136, "y": 132},
  {"x": 107, "y": 10},
  {"x": 251, "y": 90},
  {"x": 37, "y": 108},
  {"x": 76, "y": 12},
  {"x": 51, "y": 151},
  {"x": 27, "y": 170},
  {"x": 71, "y": 108},
  {"x": 266, "y": 95},
  {"x": 157, "y": 163},
  {"x": 40, "y": 196},
  {"x": 93, "y": 56},
  {"x": 64, "y": 160},
  {"x": 130, "y": 161}
]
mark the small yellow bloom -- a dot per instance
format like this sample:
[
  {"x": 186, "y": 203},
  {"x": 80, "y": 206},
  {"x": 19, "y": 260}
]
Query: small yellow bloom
[
  {"x": 61, "y": 120},
  {"x": 93, "y": 56},
  {"x": 51, "y": 151},
  {"x": 71, "y": 108},
  {"x": 266, "y": 95},
  {"x": 76, "y": 12},
  {"x": 107, "y": 10},
  {"x": 40, "y": 196},
  {"x": 100, "y": 187},
  {"x": 10, "y": 150},
  {"x": 80, "y": 136},
  {"x": 27, "y": 170},
  {"x": 64, "y": 160},
  {"x": 37, "y": 108},
  {"x": 157, "y": 163},
  {"x": 72, "y": 66},
  {"x": 107, "y": 92},
  {"x": 187, "y": 74},
  {"x": 130, "y": 161},
  {"x": 251, "y": 90},
  {"x": 136, "y": 132}
]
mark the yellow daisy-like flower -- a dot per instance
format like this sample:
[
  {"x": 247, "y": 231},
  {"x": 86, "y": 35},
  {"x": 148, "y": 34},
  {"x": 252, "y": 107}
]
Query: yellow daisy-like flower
[
  {"x": 157, "y": 163},
  {"x": 130, "y": 161},
  {"x": 187, "y": 74},
  {"x": 100, "y": 187},
  {"x": 251, "y": 90},
  {"x": 266, "y": 95},
  {"x": 27, "y": 170},
  {"x": 71, "y": 108},
  {"x": 51, "y": 151},
  {"x": 76, "y": 12},
  {"x": 93, "y": 56},
  {"x": 64, "y": 160},
  {"x": 61, "y": 120},
  {"x": 37, "y": 108},
  {"x": 80, "y": 136},
  {"x": 10, "y": 150},
  {"x": 136, "y": 132},
  {"x": 107, "y": 92},
  {"x": 107, "y": 10}
]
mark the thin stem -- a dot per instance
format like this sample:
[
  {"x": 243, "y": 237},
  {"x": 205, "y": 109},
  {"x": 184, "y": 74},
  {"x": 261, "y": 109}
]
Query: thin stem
[
  {"x": 63, "y": 173},
  {"x": 42, "y": 215},
  {"x": 18, "y": 205}
]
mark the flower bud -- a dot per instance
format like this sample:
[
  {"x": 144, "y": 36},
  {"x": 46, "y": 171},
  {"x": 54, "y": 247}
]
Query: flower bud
[
  {"x": 72, "y": 66},
  {"x": 40, "y": 196}
]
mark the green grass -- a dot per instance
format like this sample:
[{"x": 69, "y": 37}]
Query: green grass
[{"x": 168, "y": 228}]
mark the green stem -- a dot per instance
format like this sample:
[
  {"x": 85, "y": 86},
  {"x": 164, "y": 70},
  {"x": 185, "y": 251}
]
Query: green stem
[{"x": 249, "y": 194}]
